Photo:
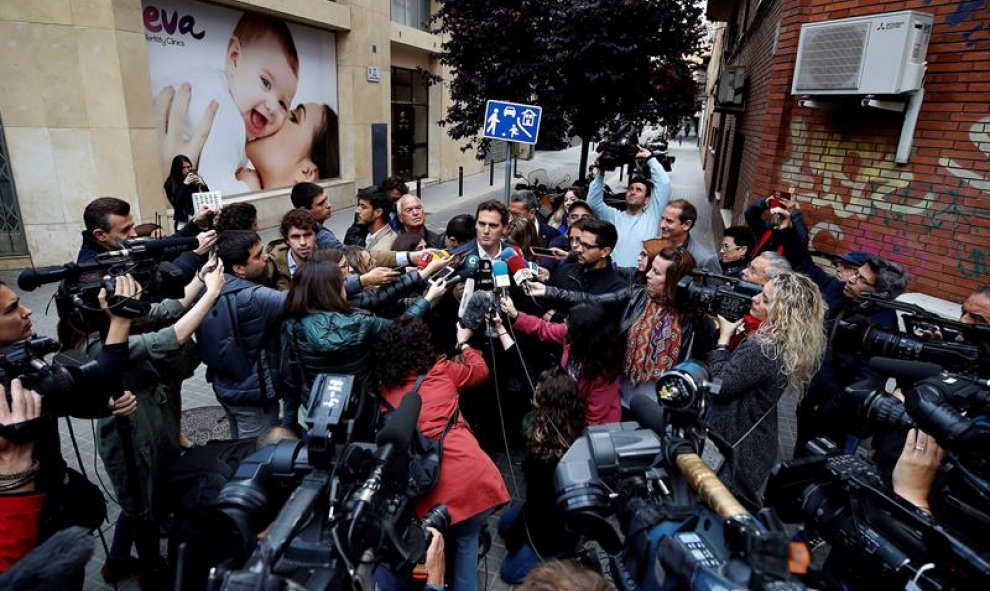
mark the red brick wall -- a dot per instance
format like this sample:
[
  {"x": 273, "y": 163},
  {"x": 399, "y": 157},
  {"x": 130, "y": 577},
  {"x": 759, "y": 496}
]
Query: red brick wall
[{"x": 932, "y": 214}]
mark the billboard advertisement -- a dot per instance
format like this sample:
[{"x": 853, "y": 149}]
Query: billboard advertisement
[{"x": 249, "y": 99}]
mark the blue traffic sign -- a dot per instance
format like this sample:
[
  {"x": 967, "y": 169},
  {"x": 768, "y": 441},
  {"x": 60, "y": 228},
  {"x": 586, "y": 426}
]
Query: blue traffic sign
[{"x": 512, "y": 122}]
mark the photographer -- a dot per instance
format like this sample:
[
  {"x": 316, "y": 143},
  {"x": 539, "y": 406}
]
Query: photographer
[
  {"x": 659, "y": 331},
  {"x": 470, "y": 484},
  {"x": 645, "y": 200},
  {"x": 151, "y": 360},
  {"x": 777, "y": 360}
]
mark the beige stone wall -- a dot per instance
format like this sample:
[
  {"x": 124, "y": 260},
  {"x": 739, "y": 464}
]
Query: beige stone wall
[{"x": 77, "y": 108}]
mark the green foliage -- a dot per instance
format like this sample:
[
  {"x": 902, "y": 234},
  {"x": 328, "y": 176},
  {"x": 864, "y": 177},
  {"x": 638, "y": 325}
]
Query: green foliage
[{"x": 588, "y": 63}]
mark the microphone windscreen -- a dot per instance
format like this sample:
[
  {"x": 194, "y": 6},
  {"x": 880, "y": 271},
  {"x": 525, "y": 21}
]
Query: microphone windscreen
[
  {"x": 907, "y": 371},
  {"x": 500, "y": 272},
  {"x": 59, "y": 563},
  {"x": 31, "y": 279},
  {"x": 477, "y": 308},
  {"x": 471, "y": 264},
  {"x": 648, "y": 413},
  {"x": 401, "y": 422}
]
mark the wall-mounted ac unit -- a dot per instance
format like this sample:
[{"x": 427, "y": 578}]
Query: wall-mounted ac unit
[
  {"x": 731, "y": 84},
  {"x": 877, "y": 54}
]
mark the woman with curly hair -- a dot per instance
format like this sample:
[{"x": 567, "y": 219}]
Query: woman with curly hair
[
  {"x": 470, "y": 484},
  {"x": 530, "y": 530},
  {"x": 592, "y": 354},
  {"x": 777, "y": 360}
]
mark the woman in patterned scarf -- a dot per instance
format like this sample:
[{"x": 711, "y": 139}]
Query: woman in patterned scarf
[{"x": 659, "y": 331}]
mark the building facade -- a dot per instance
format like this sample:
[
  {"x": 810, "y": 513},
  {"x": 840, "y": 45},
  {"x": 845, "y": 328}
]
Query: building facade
[
  {"x": 78, "y": 116},
  {"x": 837, "y": 158}
]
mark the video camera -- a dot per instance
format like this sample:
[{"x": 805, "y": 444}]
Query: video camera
[
  {"x": 334, "y": 508},
  {"x": 717, "y": 294},
  {"x": 618, "y": 148},
  {"x": 654, "y": 479},
  {"x": 62, "y": 383},
  {"x": 82, "y": 282},
  {"x": 878, "y": 540},
  {"x": 951, "y": 344}
]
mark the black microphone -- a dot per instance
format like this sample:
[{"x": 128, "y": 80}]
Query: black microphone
[
  {"x": 152, "y": 248},
  {"x": 476, "y": 310},
  {"x": 57, "y": 564},
  {"x": 32, "y": 279},
  {"x": 775, "y": 220},
  {"x": 394, "y": 436},
  {"x": 648, "y": 413},
  {"x": 906, "y": 371}
]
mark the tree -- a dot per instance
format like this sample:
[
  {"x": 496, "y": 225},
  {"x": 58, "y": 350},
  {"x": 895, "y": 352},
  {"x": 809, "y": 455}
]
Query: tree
[{"x": 591, "y": 64}]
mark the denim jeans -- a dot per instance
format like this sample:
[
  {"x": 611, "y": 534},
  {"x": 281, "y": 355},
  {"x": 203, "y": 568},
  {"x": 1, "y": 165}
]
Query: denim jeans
[
  {"x": 463, "y": 546},
  {"x": 517, "y": 565}
]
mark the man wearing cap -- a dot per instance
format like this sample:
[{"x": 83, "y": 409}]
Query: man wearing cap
[
  {"x": 645, "y": 200},
  {"x": 846, "y": 264}
]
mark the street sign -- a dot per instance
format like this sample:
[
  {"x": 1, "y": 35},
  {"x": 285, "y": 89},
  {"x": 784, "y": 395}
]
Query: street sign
[{"x": 512, "y": 122}]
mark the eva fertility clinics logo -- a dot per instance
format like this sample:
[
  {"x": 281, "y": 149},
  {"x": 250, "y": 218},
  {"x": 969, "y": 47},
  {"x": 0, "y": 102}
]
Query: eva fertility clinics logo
[{"x": 172, "y": 24}]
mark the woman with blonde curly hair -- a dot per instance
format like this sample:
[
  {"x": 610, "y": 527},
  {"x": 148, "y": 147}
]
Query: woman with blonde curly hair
[{"x": 777, "y": 360}]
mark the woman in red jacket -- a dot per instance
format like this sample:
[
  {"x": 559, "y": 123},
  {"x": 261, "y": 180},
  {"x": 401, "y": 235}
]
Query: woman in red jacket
[
  {"x": 593, "y": 354},
  {"x": 470, "y": 483}
]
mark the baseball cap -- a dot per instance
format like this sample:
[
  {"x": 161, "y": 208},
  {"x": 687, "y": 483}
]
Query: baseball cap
[{"x": 856, "y": 258}]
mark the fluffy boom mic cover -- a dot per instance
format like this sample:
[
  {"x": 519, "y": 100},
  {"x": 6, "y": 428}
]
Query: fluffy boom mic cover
[{"x": 477, "y": 308}]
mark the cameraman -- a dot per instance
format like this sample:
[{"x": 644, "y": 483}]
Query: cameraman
[
  {"x": 151, "y": 360},
  {"x": 821, "y": 411}
]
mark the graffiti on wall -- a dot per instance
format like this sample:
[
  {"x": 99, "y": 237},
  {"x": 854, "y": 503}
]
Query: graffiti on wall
[
  {"x": 967, "y": 15},
  {"x": 897, "y": 215}
]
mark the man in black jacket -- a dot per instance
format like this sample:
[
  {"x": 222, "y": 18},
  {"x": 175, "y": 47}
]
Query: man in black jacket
[{"x": 593, "y": 271}]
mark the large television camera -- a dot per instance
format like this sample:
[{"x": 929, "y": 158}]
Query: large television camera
[
  {"x": 332, "y": 508},
  {"x": 717, "y": 294},
  {"x": 927, "y": 337},
  {"x": 64, "y": 383},
  {"x": 683, "y": 528},
  {"x": 142, "y": 259},
  {"x": 878, "y": 540}
]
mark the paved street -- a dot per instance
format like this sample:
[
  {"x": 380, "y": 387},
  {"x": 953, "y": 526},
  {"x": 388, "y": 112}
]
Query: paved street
[{"x": 202, "y": 416}]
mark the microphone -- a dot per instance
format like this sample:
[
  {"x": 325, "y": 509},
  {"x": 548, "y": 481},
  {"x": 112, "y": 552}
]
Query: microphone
[
  {"x": 476, "y": 310},
  {"x": 500, "y": 272},
  {"x": 521, "y": 272},
  {"x": 907, "y": 371},
  {"x": 394, "y": 437},
  {"x": 152, "y": 248},
  {"x": 648, "y": 413},
  {"x": 508, "y": 252},
  {"x": 32, "y": 279},
  {"x": 775, "y": 220}
]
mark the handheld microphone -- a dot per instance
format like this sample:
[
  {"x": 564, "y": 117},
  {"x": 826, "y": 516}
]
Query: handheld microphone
[
  {"x": 467, "y": 271},
  {"x": 500, "y": 273},
  {"x": 476, "y": 310},
  {"x": 508, "y": 252},
  {"x": 483, "y": 277},
  {"x": 521, "y": 272},
  {"x": 152, "y": 248}
]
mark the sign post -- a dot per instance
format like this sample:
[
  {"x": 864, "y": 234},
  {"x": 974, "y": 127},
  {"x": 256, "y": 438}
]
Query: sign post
[{"x": 511, "y": 123}]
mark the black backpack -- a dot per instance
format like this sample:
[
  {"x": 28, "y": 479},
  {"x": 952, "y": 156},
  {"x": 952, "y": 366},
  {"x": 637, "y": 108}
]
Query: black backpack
[{"x": 425, "y": 454}]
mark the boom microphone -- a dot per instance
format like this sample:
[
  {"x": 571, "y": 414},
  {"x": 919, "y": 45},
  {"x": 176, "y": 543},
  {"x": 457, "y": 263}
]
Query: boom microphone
[
  {"x": 476, "y": 310},
  {"x": 907, "y": 371},
  {"x": 394, "y": 437},
  {"x": 32, "y": 279},
  {"x": 152, "y": 248}
]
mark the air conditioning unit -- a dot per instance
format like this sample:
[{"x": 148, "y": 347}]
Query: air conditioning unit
[
  {"x": 731, "y": 84},
  {"x": 877, "y": 54}
]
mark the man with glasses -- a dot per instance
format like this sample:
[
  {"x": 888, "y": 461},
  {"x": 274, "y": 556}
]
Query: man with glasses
[
  {"x": 592, "y": 271},
  {"x": 736, "y": 250}
]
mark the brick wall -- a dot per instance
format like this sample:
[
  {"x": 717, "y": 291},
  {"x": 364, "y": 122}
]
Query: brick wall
[{"x": 932, "y": 214}]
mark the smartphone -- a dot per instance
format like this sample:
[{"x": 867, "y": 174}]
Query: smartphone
[
  {"x": 442, "y": 275},
  {"x": 539, "y": 251}
]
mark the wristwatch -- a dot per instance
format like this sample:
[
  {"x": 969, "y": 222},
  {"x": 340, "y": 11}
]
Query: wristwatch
[{"x": 459, "y": 347}]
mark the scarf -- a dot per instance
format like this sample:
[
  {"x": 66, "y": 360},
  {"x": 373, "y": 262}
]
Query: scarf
[{"x": 654, "y": 344}]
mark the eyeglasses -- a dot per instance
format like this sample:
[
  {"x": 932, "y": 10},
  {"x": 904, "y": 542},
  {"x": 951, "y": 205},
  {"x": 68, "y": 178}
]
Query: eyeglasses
[
  {"x": 587, "y": 246},
  {"x": 857, "y": 277},
  {"x": 725, "y": 247}
]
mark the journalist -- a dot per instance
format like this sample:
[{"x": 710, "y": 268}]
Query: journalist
[
  {"x": 152, "y": 357},
  {"x": 324, "y": 333},
  {"x": 777, "y": 360},
  {"x": 659, "y": 330},
  {"x": 470, "y": 484},
  {"x": 179, "y": 187}
]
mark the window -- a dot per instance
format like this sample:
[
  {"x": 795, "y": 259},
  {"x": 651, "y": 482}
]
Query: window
[
  {"x": 12, "y": 241},
  {"x": 412, "y": 13}
]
